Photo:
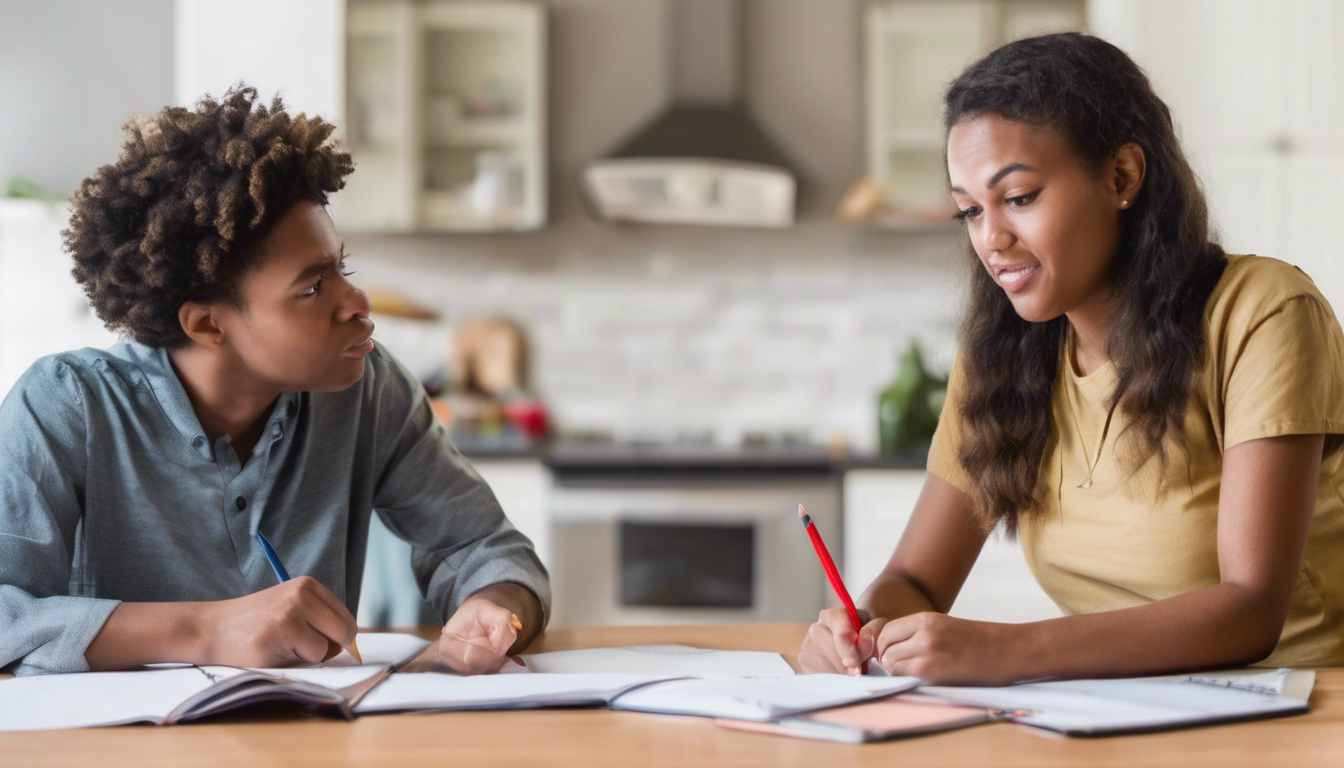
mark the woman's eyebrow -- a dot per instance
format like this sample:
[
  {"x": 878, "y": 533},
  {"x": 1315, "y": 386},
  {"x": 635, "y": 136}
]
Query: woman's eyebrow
[{"x": 997, "y": 177}]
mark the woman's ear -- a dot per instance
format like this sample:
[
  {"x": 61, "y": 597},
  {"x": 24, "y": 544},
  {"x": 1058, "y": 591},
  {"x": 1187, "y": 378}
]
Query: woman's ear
[
  {"x": 200, "y": 323},
  {"x": 1129, "y": 167}
]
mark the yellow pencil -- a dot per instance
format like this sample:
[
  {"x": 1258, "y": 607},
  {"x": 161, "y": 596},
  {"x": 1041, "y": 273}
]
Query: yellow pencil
[{"x": 518, "y": 626}]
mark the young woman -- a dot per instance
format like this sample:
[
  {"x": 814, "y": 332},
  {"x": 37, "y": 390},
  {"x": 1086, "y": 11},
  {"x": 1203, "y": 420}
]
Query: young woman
[
  {"x": 1157, "y": 422},
  {"x": 250, "y": 398}
]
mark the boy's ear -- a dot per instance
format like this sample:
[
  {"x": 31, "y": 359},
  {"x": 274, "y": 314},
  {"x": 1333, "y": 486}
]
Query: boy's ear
[{"x": 200, "y": 323}]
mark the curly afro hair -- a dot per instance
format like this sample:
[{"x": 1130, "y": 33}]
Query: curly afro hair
[{"x": 174, "y": 219}]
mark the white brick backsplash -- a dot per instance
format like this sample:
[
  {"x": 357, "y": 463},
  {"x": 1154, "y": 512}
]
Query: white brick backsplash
[{"x": 659, "y": 330}]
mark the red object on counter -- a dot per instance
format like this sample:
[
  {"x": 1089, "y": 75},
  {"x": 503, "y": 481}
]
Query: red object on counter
[{"x": 529, "y": 417}]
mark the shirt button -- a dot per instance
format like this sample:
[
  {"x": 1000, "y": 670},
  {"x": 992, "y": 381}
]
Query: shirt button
[
  {"x": 198, "y": 441},
  {"x": 242, "y": 503}
]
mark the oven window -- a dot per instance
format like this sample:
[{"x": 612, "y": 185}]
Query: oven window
[{"x": 687, "y": 565}]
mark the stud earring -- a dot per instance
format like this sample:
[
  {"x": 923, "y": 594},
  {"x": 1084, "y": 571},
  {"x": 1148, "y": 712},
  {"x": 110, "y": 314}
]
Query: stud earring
[{"x": 1124, "y": 203}]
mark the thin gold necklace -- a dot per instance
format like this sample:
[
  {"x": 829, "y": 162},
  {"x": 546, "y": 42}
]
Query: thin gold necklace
[{"x": 1077, "y": 425}]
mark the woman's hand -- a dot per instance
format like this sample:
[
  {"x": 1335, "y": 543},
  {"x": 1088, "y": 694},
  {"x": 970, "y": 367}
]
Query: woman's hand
[
  {"x": 832, "y": 646},
  {"x": 943, "y": 650}
]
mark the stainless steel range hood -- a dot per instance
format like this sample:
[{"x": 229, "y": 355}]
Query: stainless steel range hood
[{"x": 703, "y": 160}]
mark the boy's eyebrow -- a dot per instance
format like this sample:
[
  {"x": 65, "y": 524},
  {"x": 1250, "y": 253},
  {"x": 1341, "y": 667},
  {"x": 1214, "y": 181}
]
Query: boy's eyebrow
[
  {"x": 317, "y": 268},
  {"x": 1004, "y": 171}
]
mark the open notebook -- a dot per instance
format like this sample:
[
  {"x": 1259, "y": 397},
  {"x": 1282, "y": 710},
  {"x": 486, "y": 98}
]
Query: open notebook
[
  {"x": 1107, "y": 707},
  {"x": 663, "y": 661},
  {"x": 751, "y": 698},
  {"x": 669, "y": 679},
  {"x": 174, "y": 693},
  {"x": 1072, "y": 707}
]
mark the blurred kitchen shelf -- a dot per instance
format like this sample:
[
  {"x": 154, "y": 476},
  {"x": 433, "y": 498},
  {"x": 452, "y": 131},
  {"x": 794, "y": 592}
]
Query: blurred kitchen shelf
[
  {"x": 445, "y": 104},
  {"x": 452, "y": 209},
  {"x": 913, "y": 50},
  {"x": 477, "y": 131},
  {"x": 912, "y": 225},
  {"x": 579, "y": 457},
  {"x": 925, "y": 138}
]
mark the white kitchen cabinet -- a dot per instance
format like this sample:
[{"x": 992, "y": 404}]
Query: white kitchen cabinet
[
  {"x": 914, "y": 49},
  {"x": 878, "y": 504},
  {"x": 389, "y": 595},
  {"x": 442, "y": 103},
  {"x": 42, "y": 309},
  {"x": 523, "y": 489},
  {"x": 1257, "y": 92}
]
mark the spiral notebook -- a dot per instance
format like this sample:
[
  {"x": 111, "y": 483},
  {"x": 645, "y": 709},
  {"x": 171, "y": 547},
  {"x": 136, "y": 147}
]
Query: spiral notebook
[
  {"x": 1136, "y": 705},
  {"x": 1071, "y": 707}
]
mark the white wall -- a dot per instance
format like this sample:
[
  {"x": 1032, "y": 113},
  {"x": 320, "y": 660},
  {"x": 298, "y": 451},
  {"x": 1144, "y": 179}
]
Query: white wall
[{"x": 71, "y": 72}]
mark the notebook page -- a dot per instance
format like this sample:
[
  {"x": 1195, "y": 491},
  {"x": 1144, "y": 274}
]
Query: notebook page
[
  {"x": 1101, "y": 706},
  {"x": 84, "y": 699},
  {"x": 430, "y": 691},
  {"x": 662, "y": 660},
  {"x": 1292, "y": 683},
  {"x": 334, "y": 678},
  {"x": 395, "y": 648},
  {"x": 759, "y": 698}
]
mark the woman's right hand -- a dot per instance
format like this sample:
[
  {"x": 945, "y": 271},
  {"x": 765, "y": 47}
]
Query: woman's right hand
[{"x": 831, "y": 645}]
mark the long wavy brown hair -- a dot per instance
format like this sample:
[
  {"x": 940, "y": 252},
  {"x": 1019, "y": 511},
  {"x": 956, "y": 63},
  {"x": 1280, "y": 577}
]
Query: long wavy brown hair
[
  {"x": 174, "y": 218},
  {"x": 1163, "y": 272}
]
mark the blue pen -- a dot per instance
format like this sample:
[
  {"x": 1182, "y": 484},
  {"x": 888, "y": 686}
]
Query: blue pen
[
  {"x": 276, "y": 565},
  {"x": 283, "y": 576}
]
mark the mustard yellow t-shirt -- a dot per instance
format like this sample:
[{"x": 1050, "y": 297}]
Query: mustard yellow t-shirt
[{"x": 1274, "y": 365}]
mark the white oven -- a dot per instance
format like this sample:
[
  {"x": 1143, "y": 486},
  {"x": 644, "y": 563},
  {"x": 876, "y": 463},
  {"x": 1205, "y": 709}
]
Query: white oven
[{"x": 674, "y": 547}]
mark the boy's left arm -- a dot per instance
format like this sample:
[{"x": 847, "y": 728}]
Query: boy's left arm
[{"x": 473, "y": 566}]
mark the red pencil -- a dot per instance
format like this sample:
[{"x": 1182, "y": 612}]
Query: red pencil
[{"x": 833, "y": 575}]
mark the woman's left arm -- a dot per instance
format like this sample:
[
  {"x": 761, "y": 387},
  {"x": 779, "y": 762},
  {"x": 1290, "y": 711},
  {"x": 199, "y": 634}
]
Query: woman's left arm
[{"x": 1265, "y": 509}]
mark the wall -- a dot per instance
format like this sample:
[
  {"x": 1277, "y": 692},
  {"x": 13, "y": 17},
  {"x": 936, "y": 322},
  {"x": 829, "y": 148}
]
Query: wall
[{"x": 73, "y": 72}]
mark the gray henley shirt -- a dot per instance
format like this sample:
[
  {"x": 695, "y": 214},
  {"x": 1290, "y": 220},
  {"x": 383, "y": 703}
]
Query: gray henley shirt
[{"x": 111, "y": 491}]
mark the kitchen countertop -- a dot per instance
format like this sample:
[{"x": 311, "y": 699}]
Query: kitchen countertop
[{"x": 607, "y": 457}]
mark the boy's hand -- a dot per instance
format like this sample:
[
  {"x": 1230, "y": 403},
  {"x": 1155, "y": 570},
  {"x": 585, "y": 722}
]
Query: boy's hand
[
  {"x": 297, "y": 622},
  {"x": 476, "y": 639}
]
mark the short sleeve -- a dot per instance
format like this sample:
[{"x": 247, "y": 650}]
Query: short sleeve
[
  {"x": 1285, "y": 376},
  {"x": 945, "y": 449}
]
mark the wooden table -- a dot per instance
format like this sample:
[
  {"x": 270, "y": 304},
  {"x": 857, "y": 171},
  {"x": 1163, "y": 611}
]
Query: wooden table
[{"x": 601, "y": 737}]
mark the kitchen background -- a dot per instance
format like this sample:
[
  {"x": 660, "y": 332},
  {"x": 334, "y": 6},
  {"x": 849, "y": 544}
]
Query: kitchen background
[{"x": 697, "y": 381}]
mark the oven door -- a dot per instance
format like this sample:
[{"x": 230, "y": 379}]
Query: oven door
[{"x": 688, "y": 552}]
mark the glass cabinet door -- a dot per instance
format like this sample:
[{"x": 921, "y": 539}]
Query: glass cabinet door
[
  {"x": 482, "y": 117},
  {"x": 379, "y": 60},
  {"x": 446, "y": 116}
]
